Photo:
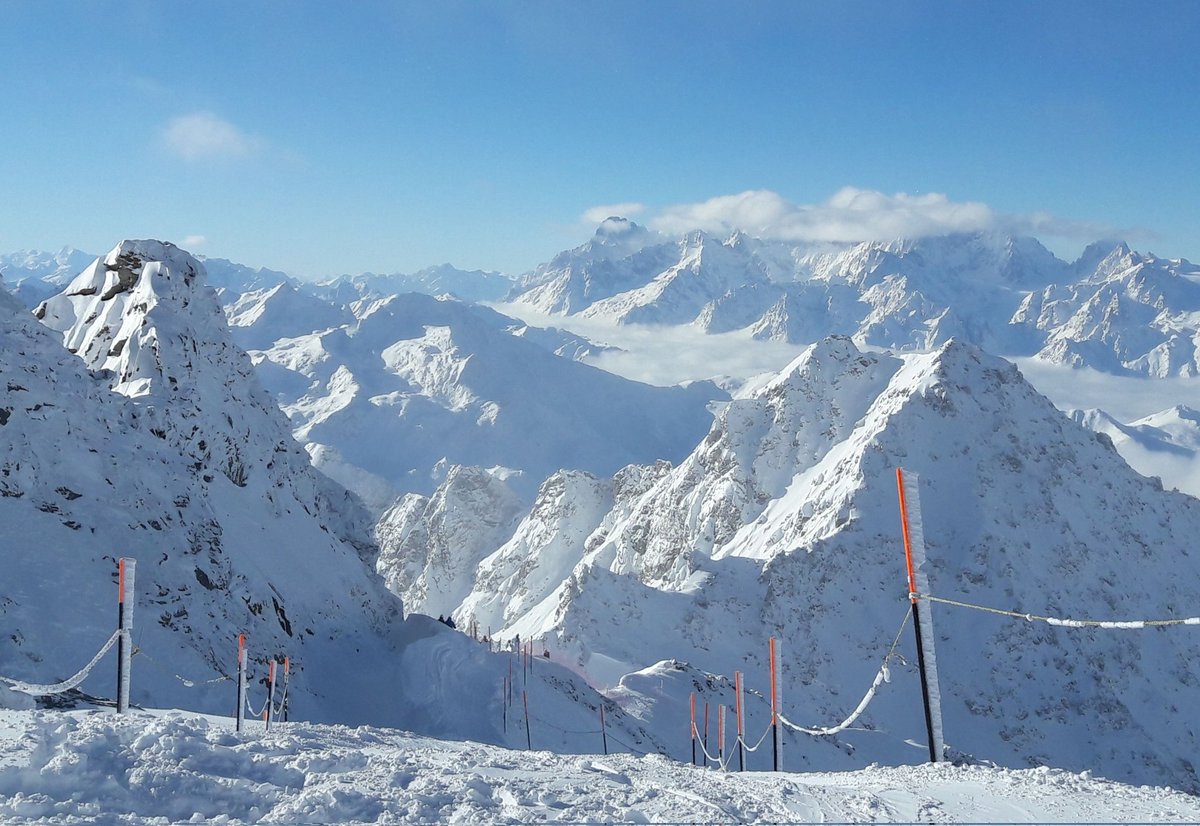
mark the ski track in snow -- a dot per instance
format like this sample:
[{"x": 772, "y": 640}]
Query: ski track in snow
[{"x": 167, "y": 767}]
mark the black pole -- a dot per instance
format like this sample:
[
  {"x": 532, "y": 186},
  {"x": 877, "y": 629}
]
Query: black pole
[
  {"x": 933, "y": 755},
  {"x": 603, "y": 733},
  {"x": 528, "y": 740},
  {"x": 775, "y": 743},
  {"x": 121, "y": 644}
]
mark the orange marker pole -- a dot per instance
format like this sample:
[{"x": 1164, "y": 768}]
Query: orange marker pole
[
  {"x": 126, "y": 568},
  {"x": 241, "y": 682},
  {"x": 916, "y": 612},
  {"x": 741, "y": 722},
  {"x": 693, "y": 732},
  {"x": 705, "y": 740},
  {"x": 721, "y": 734},
  {"x": 270, "y": 697},
  {"x": 774, "y": 702},
  {"x": 287, "y": 667},
  {"x": 504, "y": 701}
]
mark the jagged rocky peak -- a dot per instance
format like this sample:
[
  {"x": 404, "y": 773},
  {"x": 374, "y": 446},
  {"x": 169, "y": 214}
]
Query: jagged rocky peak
[
  {"x": 110, "y": 314},
  {"x": 615, "y": 226},
  {"x": 430, "y": 547}
]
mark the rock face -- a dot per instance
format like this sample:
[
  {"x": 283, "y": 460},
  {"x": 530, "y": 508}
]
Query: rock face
[
  {"x": 1113, "y": 309},
  {"x": 430, "y": 548},
  {"x": 785, "y": 518}
]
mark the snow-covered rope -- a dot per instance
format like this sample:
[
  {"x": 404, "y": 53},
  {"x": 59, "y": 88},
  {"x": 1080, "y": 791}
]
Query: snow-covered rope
[
  {"x": 723, "y": 765},
  {"x": 1065, "y": 623},
  {"x": 65, "y": 685},
  {"x": 189, "y": 683},
  {"x": 278, "y": 710},
  {"x": 755, "y": 747},
  {"x": 250, "y": 709},
  {"x": 881, "y": 677}
]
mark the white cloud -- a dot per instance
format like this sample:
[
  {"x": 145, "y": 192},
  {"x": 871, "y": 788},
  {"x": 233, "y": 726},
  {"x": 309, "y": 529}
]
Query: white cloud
[
  {"x": 203, "y": 136},
  {"x": 597, "y": 214},
  {"x": 666, "y": 355},
  {"x": 851, "y": 214},
  {"x": 191, "y": 242}
]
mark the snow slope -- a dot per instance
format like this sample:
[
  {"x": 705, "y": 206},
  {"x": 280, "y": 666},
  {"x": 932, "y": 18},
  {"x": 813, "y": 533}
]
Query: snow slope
[
  {"x": 1164, "y": 444},
  {"x": 784, "y": 520},
  {"x": 85, "y": 768},
  {"x": 417, "y": 384}
]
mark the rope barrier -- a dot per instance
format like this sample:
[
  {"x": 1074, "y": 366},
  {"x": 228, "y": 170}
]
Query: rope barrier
[
  {"x": 65, "y": 685},
  {"x": 560, "y": 728},
  {"x": 633, "y": 749},
  {"x": 278, "y": 710},
  {"x": 723, "y": 765},
  {"x": 1065, "y": 623},
  {"x": 755, "y": 747},
  {"x": 881, "y": 677},
  {"x": 188, "y": 683},
  {"x": 250, "y": 709}
]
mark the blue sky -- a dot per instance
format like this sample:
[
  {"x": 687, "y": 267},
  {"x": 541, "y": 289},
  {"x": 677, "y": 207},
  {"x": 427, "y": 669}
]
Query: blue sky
[{"x": 324, "y": 138}]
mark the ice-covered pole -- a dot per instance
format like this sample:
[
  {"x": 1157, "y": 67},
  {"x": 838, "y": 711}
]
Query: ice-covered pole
[
  {"x": 914, "y": 546},
  {"x": 738, "y": 710},
  {"x": 269, "y": 710},
  {"x": 721, "y": 735},
  {"x": 241, "y": 682},
  {"x": 126, "y": 569},
  {"x": 693, "y": 727},
  {"x": 776, "y": 732},
  {"x": 283, "y": 707}
]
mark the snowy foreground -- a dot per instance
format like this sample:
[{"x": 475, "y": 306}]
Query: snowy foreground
[{"x": 159, "y": 768}]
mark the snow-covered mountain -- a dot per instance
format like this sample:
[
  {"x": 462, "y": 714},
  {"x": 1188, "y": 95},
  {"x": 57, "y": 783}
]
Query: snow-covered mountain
[
  {"x": 444, "y": 279},
  {"x": 417, "y": 384},
  {"x": 231, "y": 279},
  {"x": 1165, "y": 444},
  {"x": 33, "y": 276},
  {"x": 156, "y": 441},
  {"x": 784, "y": 520},
  {"x": 1113, "y": 309}
]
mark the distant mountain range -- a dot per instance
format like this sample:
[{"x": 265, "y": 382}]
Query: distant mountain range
[{"x": 1113, "y": 309}]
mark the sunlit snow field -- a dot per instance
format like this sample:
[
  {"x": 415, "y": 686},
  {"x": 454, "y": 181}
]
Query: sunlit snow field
[{"x": 171, "y": 767}]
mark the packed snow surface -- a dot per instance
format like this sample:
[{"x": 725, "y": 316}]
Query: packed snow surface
[{"x": 97, "y": 767}]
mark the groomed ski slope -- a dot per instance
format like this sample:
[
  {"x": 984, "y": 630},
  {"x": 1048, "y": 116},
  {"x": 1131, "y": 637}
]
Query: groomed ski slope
[{"x": 168, "y": 767}]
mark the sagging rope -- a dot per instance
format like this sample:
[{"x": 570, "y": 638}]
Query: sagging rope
[
  {"x": 560, "y": 728},
  {"x": 757, "y": 745},
  {"x": 723, "y": 765},
  {"x": 65, "y": 685},
  {"x": 189, "y": 683},
  {"x": 881, "y": 677},
  {"x": 250, "y": 710},
  {"x": 1064, "y": 623},
  {"x": 277, "y": 711}
]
